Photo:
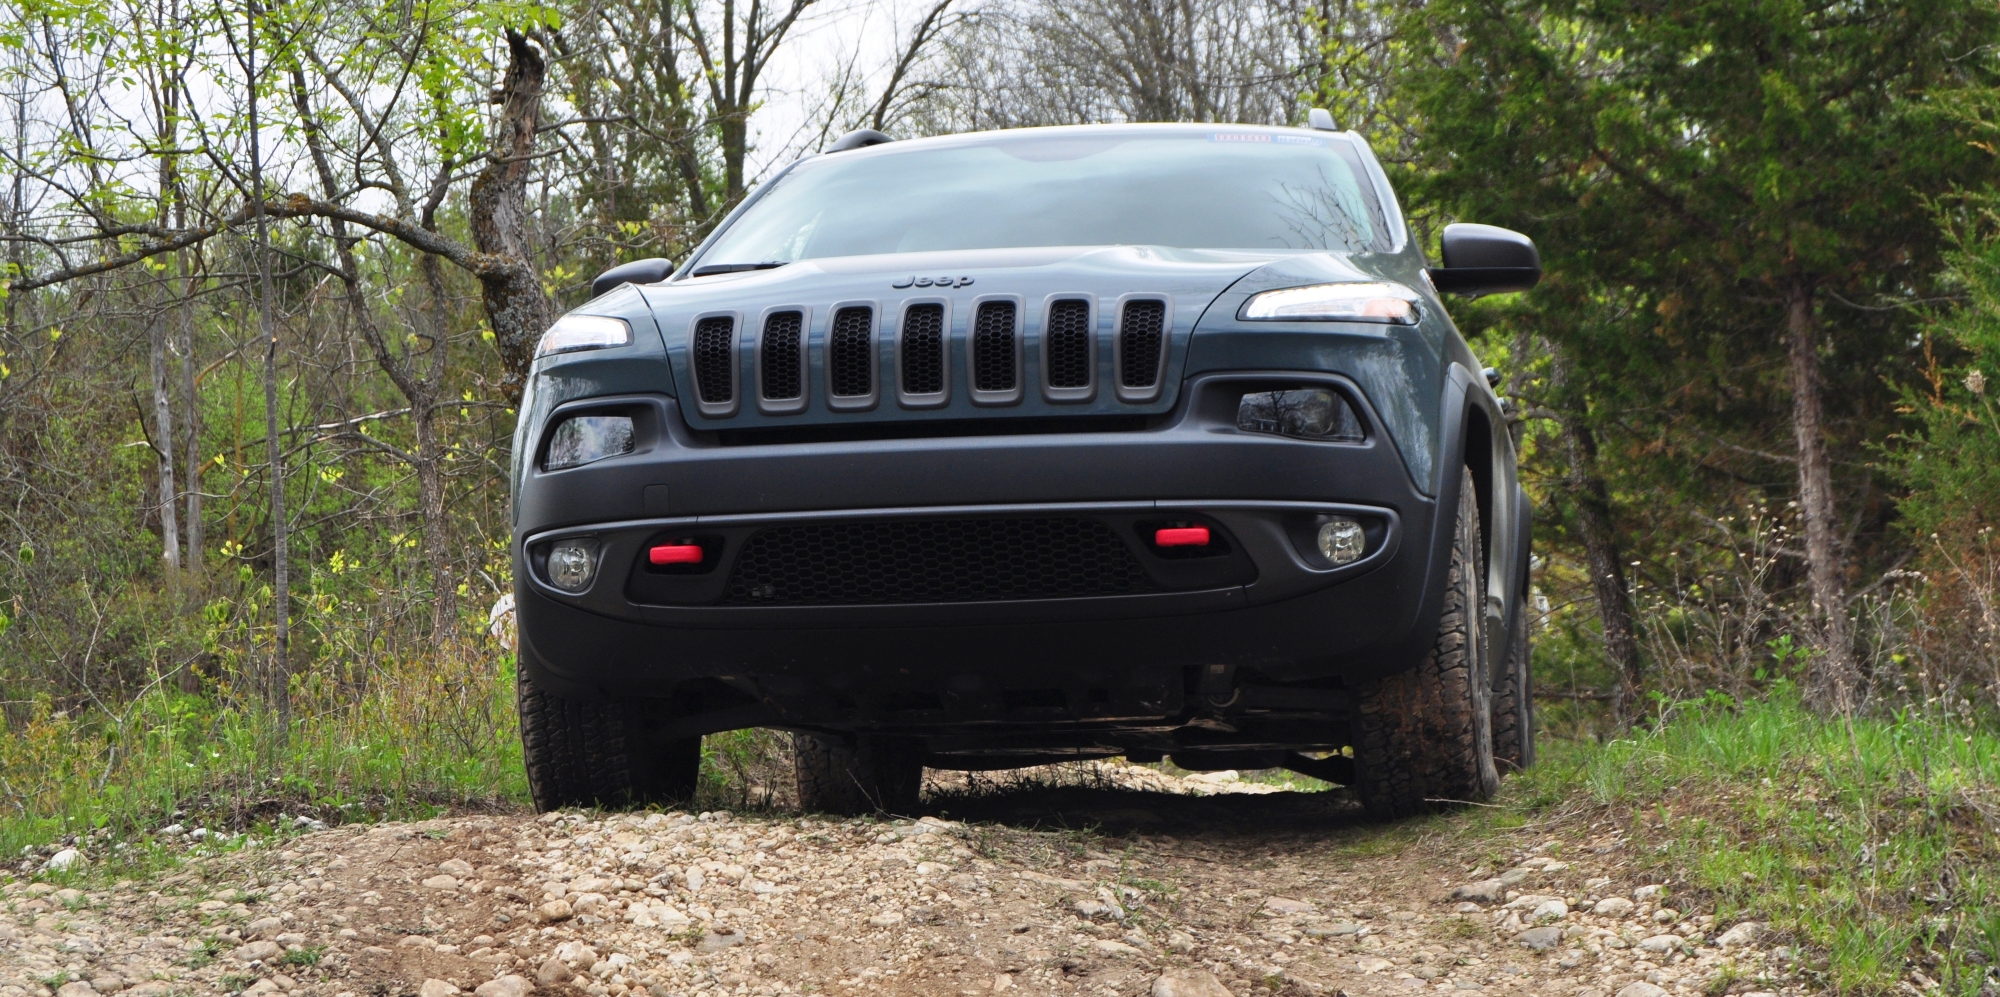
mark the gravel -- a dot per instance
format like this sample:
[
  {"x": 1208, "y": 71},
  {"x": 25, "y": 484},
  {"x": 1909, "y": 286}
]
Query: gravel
[{"x": 1203, "y": 887}]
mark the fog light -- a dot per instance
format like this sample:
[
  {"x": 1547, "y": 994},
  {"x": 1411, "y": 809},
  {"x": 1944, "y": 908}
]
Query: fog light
[
  {"x": 1342, "y": 540},
  {"x": 1305, "y": 413},
  {"x": 581, "y": 439},
  {"x": 573, "y": 563}
]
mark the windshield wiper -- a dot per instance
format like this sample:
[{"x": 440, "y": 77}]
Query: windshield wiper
[{"x": 715, "y": 268}]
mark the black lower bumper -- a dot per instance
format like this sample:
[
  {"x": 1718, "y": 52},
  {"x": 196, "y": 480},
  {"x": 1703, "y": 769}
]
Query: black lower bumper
[{"x": 1261, "y": 633}]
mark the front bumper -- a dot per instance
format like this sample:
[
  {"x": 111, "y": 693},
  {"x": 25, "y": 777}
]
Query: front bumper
[{"x": 1268, "y": 608}]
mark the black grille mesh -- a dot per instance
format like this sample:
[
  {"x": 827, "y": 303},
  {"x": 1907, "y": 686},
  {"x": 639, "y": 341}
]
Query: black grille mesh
[
  {"x": 923, "y": 349},
  {"x": 1141, "y": 338},
  {"x": 715, "y": 358},
  {"x": 1066, "y": 348},
  {"x": 993, "y": 347},
  {"x": 784, "y": 374},
  {"x": 933, "y": 560},
  {"x": 849, "y": 360}
]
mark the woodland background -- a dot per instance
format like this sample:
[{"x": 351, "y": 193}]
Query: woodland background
[{"x": 272, "y": 273}]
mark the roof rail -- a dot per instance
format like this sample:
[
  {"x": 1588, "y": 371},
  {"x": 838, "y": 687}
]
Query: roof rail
[{"x": 859, "y": 138}]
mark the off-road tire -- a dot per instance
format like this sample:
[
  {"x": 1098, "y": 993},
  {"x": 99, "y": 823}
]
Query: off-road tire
[
  {"x": 1424, "y": 737},
  {"x": 582, "y": 754},
  {"x": 1514, "y": 701},
  {"x": 863, "y": 775}
]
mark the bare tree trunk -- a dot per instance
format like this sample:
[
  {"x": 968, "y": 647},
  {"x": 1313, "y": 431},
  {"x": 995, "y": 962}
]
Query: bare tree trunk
[
  {"x": 1600, "y": 542},
  {"x": 274, "y": 454},
  {"x": 515, "y": 302},
  {"x": 163, "y": 426},
  {"x": 191, "y": 423},
  {"x": 1835, "y": 678}
]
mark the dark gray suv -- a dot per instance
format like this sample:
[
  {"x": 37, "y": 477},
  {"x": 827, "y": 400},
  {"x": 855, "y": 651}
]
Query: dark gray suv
[{"x": 999, "y": 449}]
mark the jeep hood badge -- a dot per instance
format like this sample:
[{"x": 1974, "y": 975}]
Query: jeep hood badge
[{"x": 931, "y": 282}]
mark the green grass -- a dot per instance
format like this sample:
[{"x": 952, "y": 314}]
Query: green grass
[{"x": 1870, "y": 845}]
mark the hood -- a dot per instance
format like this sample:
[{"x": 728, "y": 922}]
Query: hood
[{"x": 1020, "y": 333}]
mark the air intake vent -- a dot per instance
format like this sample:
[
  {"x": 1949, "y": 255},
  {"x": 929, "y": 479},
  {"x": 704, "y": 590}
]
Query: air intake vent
[
  {"x": 1066, "y": 352},
  {"x": 933, "y": 560},
  {"x": 922, "y": 343},
  {"x": 781, "y": 357},
  {"x": 1142, "y": 344},
  {"x": 995, "y": 353},
  {"x": 850, "y": 354},
  {"x": 714, "y": 357}
]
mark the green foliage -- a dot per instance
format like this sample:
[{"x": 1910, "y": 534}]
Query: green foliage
[{"x": 1861, "y": 841}]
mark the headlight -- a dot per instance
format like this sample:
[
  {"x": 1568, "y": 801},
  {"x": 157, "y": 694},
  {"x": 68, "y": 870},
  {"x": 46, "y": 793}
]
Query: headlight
[
  {"x": 583, "y": 332},
  {"x": 1304, "y": 413},
  {"x": 1342, "y": 540},
  {"x": 580, "y": 439},
  {"x": 1358, "y": 302},
  {"x": 573, "y": 563}
]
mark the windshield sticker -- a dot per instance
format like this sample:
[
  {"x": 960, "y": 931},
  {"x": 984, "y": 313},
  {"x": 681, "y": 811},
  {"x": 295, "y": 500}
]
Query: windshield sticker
[{"x": 1239, "y": 137}]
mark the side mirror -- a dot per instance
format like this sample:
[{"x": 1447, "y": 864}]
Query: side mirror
[
  {"x": 1484, "y": 259},
  {"x": 636, "y": 272}
]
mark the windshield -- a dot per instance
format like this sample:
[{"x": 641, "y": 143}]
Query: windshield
[{"x": 1219, "y": 189}]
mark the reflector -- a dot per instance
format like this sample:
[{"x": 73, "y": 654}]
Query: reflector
[
  {"x": 1183, "y": 536},
  {"x": 675, "y": 554}
]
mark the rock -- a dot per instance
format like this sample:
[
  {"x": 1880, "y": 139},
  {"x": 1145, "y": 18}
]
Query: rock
[
  {"x": 255, "y": 951},
  {"x": 1515, "y": 877},
  {"x": 1653, "y": 892},
  {"x": 1746, "y": 933},
  {"x": 1641, "y": 989},
  {"x": 416, "y": 942},
  {"x": 284, "y": 982},
  {"x": 1189, "y": 983},
  {"x": 1660, "y": 944},
  {"x": 1612, "y": 907},
  {"x": 260, "y": 988},
  {"x": 290, "y": 939},
  {"x": 552, "y": 973},
  {"x": 716, "y": 941},
  {"x": 886, "y": 920},
  {"x": 1370, "y": 965},
  {"x": 1088, "y": 909},
  {"x": 66, "y": 859},
  {"x": 576, "y": 955},
  {"x": 505, "y": 986},
  {"x": 1114, "y": 950},
  {"x": 1540, "y": 939},
  {"x": 1485, "y": 892},
  {"x": 437, "y": 988},
  {"x": 553, "y": 911},
  {"x": 442, "y": 882},
  {"x": 263, "y": 927},
  {"x": 1551, "y": 910},
  {"x": 108, "y": 983},
  {"x": 76, "y": 988},
  {"x": 69, "y": 897},
  {"x": 458, "y": 868},
  {"x": 1286, "y": 905}
]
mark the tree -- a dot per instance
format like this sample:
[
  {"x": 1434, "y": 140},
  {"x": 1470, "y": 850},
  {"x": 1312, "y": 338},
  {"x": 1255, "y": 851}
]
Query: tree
[{"x": 1750, "y": 176}]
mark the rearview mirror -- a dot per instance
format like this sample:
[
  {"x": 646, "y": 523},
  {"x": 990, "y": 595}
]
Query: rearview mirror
[
  {"x": 1485, "y": 259},
  {"x": 636, "y": 272}
]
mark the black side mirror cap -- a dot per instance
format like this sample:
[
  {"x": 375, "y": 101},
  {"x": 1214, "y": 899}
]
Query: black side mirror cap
[
  {"x": 1485, "y": 259},
  {"x": 650, "y": 271}
]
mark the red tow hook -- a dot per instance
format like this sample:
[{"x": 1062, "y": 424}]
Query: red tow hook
[
  {"x": 684, "y": 554},
  {"x": 1181, "y": 536}
]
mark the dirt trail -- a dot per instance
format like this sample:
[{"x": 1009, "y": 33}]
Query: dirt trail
[{"x": 1182, "y": 888}]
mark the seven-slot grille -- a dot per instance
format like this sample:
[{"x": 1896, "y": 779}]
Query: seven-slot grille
[
  {"x": 715, "y": 360},
  {"x": 782, "y": 356},
  {"x": 1142, "y": 340},
  {"x": 993, "y": 347},
  {"x": 933, "y": 560},
  {"x": 922, "y": 342},
  {"x": 850, "y": 353},
  {"x": 1066, "y": 344},
  {"x": 923, "y": 355}
]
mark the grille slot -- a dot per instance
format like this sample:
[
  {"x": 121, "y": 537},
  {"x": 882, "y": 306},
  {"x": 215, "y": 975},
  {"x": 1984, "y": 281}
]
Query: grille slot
[
  {"x": 1066, "y": 351},
  {"x": 850, "y": 353},
  {"x": 782, "y": 358},
  {"x": 933, "y": 560},
  {"x": 922, "y": 343},
  {"x": 1142, "y": 342},
  {"x": 994, "y": 348},
  {"x": 714, "y": 354}
]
